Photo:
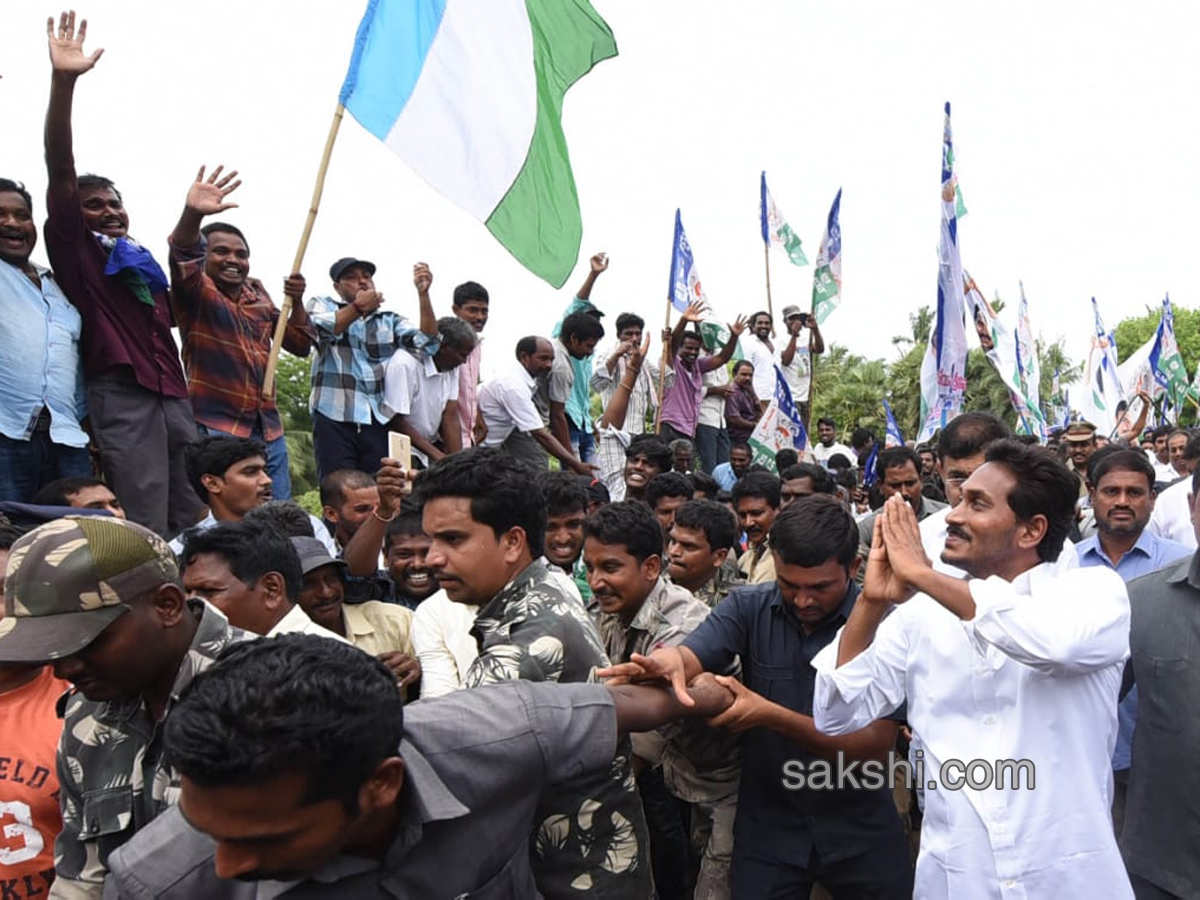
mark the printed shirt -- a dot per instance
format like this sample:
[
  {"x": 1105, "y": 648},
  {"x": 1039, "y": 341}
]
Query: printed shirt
[
  {"x": 591, "y": 836},
  {"x": 799, "y": 374},
  {"x": 119, "y": 330},
  {"x": 724, "y": 580},
  {"x": 700, "y": 763},
  {"x": 347, "y": 375},
  {"x": 111, "y": 770},
  {"x": 1033, "y": 676},
  {"x": 29, "y": 812},
  {"x": 226, "y": 345},
  {"x": 39, "y": 358}
]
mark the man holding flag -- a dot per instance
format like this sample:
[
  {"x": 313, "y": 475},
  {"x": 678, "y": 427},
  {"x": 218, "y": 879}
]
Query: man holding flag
[{"x": 795, "y": 357}]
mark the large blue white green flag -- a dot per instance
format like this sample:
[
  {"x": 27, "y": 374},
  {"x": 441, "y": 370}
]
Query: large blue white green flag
[
  {"x": 775, "y": 229},
  {"x": 1165, "y": 359},
  {"x": 1030, "y": 367},
  {"x": 780, "y": 426},
  {"x": 944, "y": 368},
  {"x": 827, "y": 276},
  {"x": 1000, "y": 345},
  {"x": 470, "y": 95},
  {"x": 685, "y": 287},
  {"x": 1101, "y": 390},
  {"x": 892, "y": 435}
]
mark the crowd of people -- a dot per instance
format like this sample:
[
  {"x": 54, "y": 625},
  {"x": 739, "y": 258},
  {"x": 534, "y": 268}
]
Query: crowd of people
[{"x": 659, "y": 667}]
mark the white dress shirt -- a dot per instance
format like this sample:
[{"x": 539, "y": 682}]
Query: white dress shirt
[
  {"x": 441, "y": 637},
  {"x": 1034, "y": 676},
  {"x": 414, "y": 388},
  {"x": 320, "y": 532},
  {"x": 297, "y": 622},
  {"x": 763, "y": 359},
  {"x": 1171, "y": 518},
  {"x": 506, "y": 404},
  {"x": 823, "y": 453}
]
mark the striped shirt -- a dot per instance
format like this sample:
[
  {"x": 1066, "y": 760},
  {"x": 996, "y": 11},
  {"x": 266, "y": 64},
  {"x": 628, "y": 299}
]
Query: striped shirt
[
  {"x": 226, "y": 344},
  {"x": 347, "y": 376}
]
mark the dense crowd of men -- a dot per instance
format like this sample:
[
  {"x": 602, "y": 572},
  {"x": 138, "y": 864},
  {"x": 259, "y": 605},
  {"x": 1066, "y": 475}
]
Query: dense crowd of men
[{"x": 662, "y": 667}]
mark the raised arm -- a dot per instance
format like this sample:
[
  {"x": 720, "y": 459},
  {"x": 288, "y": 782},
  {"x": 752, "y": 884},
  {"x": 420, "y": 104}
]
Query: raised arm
[
  {"x": 67, "y": 63},
  {"x": 205, "y": 197},
  {"x": 361, "y": 552},
  {"x": 614, "y": 413},
  {"x": 716, "y": 361},
  {"x": 816, "y": 343},
  {"x": 423, "y": 278},
  {"x": 695, "y": 312},
  {"x": 598, "y": 264}
]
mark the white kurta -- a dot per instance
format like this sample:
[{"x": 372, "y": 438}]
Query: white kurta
[{"x": 1035, "y": 676}]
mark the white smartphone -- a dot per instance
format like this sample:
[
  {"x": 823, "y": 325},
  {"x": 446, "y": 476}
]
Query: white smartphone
[{"x": 400, "y": 448}]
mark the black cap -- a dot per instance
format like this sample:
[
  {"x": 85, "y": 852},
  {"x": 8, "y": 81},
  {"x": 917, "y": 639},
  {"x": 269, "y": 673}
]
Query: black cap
[{"x": 339, "y": 268}]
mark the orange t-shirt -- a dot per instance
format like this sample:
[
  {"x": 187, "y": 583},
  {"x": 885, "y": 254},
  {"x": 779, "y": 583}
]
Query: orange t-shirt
[{"x": 29, "y": 814}]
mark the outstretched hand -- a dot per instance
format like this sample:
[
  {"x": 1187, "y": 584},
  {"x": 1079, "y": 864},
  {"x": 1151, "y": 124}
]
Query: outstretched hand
[
  {"x": 696, "y": 311},
  {"x": 66, "y": 46},
  {"x": 638, "y": 354},
  {"x": 206, "y": 197},
  {"x": 739, "y": 325}
]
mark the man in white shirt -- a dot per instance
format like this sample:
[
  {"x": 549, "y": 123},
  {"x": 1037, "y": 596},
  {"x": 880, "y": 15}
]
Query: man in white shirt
[
  {"x": 252, "y": 574},
  {"x": 510, "y": 417},
  {"x": 421, "y": 392},
  {"x": 761, "y": 352},
  {"x": 827, "y": 445},
  {"x": 1020, "y": 662},
  {"x": 795, "y": 356}
]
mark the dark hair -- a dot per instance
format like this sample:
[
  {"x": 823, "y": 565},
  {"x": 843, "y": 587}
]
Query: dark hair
[
  {"x": 693, "y": 335},
  {"x": 839, "y": 461},
  {"x": 822, "y": 482},
  {"x": 468, "y": 291},
  {"x": 285, "y": 517},
  {"x": 214, "y": 454},
  {"x": 455, "y": 331},
  {"x": 59, "y": 491},
  {"x": 825, "y": 420},
  {"x": 654, "y": 448},
  {"x": 527, "y": 345},
  {"x": 896, "y": 458},
  {"x": 719, "y": 525},
  {"x": 969, "y": 433},
  {"x": 564, "y": 494},
  {"x": 1192, "y": 449},
  {"x": 814, "y": 529},
  {"x": 668, "y": 484},
  {"x": 581, "y": 326},
  {"x": 89, "y": 181},
  {"x": 336, "y": 483},
  {"x": 1162, "y": 431},
  {"x": 1119, "y": 459},
  {"x": 756, "y": 484},
  {"x": 860, "y": 437},
  {"x": 407, "y": 524},
  {"x": 8, "y": 186},
  {"x": 629, "y": 524},
  {"x": 502, "y": 490},
  {"x": 629, "y": 320},
  {"x": 741, "y": 445},
  {"x": 761, "y": 312},
  {"x": 295, "y": 703},
  {"x": 786, "y": 458},
  {"x": 740, "y": 363},
  {"x": 705, "y": 484},
  {"x": 1044, "y": 486},
  {"x": 251, "y": 550},
  {"x": 225, "y": 228}
]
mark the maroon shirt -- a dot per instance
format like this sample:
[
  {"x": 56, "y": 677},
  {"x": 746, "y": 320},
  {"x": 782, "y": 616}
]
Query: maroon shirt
[{"x": 119, "y": 331}]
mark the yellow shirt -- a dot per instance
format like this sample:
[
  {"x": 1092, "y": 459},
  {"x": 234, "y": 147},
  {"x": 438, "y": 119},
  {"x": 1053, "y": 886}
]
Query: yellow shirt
[
  {"x": 378, "y": 627},
  {"x": 758, "y": 564}
]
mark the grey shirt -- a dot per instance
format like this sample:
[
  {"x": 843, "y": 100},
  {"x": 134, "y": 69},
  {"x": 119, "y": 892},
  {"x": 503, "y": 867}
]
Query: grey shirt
[
  {"x": 1162, "y": 809},
  {"x": 476, "y": 765}
]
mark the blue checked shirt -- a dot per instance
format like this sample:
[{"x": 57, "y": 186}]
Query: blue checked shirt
[{"x": 347, "y": 375}]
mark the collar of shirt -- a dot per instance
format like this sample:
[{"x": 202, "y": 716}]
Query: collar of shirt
[
  {"x": 1144, "y": 546},
  {"x": 425, "y": 799},
  {"x": 649, "y": 616},
  {"x": 1187, "y": 570},
  {"x": 834, "y": 620},
  {"x": 493, "y": 613},
  {"x": 431, "y": 369}
]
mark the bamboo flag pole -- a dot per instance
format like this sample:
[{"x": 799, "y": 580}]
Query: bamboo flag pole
[
  {"x": 288, "y": 301},
  {"x": 662, "y": 370},
  {"x": 767, "y": 264}
]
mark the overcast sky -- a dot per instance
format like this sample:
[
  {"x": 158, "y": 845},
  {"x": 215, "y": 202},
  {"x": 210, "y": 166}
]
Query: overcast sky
[{"x": 1073, "y": 125}]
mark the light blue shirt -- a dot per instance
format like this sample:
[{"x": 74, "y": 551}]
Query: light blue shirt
[
  {"x": 724, "y": 476},
  {"x": 578, "y": 405},
  {"x": 1149, "y": 554},
  {"x": 39, "y": 358}
]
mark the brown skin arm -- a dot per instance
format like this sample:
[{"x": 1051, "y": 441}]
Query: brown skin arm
[
  {"x": 715, "y": 362},
  {"x": 362, "y": 552},
  {"x": 561, "y": 453},
  {"x": 449, "y": 430},
  {"x": 68, "y": 62},
  {"x": 641, "y": 708},
  {"x": 422, "y": 443},
  {"x": 558, "y": 423}
]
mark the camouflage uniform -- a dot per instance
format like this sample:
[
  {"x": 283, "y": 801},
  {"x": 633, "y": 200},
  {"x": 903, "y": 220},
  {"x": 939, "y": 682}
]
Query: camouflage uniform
[
  {"x": 724, "y": 580},
  {"x": 701, "y": 765},
  {"x": 592, "y": 839},
  {"x": 110, "y": 762}
]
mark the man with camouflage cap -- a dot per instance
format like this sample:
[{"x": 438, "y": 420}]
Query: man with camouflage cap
[{"x": 101, "y": 599}]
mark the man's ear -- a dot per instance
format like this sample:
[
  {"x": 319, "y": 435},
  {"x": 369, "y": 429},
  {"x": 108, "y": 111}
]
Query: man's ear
[
  {"x": 719, "y": 556},
  {"x": 274, "y": 590},
  {"x": 652, "y": 567},
  {"x": 212, "y": 483},
  {"x": 513, "y": 542},
  {"x": 168, "y": 604},
  {"x": 382, "y": 789},
  {"x": 1031, "y": 531}
]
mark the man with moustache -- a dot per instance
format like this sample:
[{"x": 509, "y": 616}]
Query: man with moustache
[
  {"x": 101, "y": 599},
  {"x": 42, "y": 397},
  {"x": 984, "y": 663},
  {"x": 756, "y": 501}
]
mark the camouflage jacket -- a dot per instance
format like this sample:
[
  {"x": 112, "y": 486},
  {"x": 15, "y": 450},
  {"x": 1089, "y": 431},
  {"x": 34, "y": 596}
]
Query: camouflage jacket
[
  {"x": 110, "y": 764},
  {"x": 724, "y": 580},
  {"x": 591, "y": 838},
  {"x": 700, "y": 763}
]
